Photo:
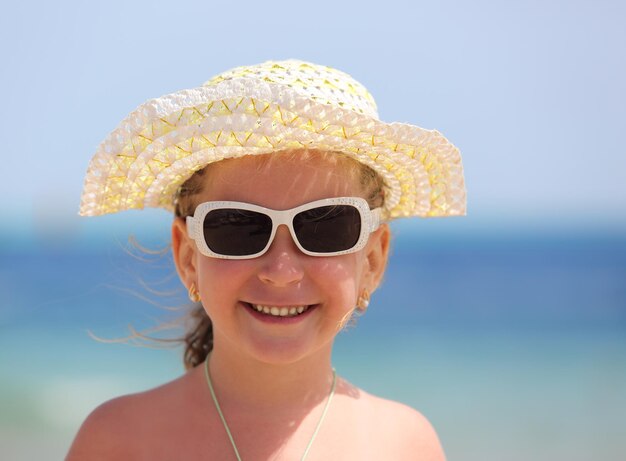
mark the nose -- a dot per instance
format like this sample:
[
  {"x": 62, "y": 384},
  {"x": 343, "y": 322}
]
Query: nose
[{"x": 282, "y": 264}]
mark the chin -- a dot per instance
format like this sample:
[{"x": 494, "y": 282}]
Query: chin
[{"x": 283, "y": 352}]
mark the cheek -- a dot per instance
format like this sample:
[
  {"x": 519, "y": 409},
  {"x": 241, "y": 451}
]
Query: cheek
[
  {"x": 340, "y": 276},
  {"x": 219, "y": 279}
]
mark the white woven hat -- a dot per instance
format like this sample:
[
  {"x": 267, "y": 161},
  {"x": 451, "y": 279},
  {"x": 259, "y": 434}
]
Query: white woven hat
[{"x": 266, "y": 108}]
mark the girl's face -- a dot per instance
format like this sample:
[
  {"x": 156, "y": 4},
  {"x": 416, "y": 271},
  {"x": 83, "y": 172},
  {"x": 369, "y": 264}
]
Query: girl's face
[{"x": 284, "y": 277}]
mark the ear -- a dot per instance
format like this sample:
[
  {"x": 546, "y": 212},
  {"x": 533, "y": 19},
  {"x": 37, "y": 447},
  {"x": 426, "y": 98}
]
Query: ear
[
  {"x": 184, "y": 252},
  {"x": 376, "y": 254}
]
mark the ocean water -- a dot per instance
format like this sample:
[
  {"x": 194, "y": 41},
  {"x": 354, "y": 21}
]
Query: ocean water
[{"x": 514, "y": 346}]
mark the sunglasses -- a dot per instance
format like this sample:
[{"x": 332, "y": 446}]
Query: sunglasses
[{"x": 237, "y": 230}]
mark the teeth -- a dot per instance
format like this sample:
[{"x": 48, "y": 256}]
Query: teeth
[{"x": 280, "y": 311}]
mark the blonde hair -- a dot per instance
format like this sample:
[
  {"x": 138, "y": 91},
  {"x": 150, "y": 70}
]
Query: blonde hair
[{"x": 198, "y": 339}]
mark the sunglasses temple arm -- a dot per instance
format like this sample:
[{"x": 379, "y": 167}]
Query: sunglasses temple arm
[
  {"x": 375, "y": 219},
  {"x": 191, "y": 226}
]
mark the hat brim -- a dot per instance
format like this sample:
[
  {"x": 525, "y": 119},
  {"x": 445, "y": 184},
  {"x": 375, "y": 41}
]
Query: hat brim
[{"x": 165, "y": 140}]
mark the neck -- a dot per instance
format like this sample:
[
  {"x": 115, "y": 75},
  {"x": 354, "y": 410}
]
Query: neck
[{"x": 242, "y": 381}]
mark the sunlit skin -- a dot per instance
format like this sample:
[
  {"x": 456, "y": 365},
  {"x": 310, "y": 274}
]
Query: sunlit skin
[
  {"x": 272, "y": 378},
  {"x": 284, "y": 276}
]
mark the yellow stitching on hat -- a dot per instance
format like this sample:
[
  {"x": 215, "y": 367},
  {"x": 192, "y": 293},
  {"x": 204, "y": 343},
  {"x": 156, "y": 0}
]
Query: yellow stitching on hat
[
  {"x": 254, "y": 107},
  {"x": 180, "y": 148},
  {"x": 280, "y": 115},
  {"x": 234, "y": 136},
  {"x": 213, "y": 144},
  {"x": 267, "y": 106}
]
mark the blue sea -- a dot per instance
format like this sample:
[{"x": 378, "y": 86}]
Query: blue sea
[{"x": 513, "y": 344}]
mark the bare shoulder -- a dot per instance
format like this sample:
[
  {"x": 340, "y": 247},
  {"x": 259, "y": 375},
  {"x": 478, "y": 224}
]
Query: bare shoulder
[
  {"x": 412, "y": 433},
  {"x": 104, "y": 434},
  {"x": 117, "y": 428}
]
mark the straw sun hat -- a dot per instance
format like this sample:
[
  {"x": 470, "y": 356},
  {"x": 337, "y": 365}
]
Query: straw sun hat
[{"x": 264, "y": 108}]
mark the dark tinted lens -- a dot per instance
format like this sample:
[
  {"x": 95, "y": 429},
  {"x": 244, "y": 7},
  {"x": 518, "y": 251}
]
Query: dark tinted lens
[
  {"x": 235, "y": 232},
  {"x": 327, "y": 229}
]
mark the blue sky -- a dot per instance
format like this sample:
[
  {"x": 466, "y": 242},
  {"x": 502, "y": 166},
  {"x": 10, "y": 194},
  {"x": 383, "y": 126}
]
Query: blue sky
[{"x": 533, "y": 92}]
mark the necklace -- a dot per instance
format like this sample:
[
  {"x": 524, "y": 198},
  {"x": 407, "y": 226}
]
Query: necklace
[{"x": 232, "y": 441}]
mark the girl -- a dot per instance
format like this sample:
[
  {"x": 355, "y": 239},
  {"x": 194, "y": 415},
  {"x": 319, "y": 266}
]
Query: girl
[{"x": 282, "y": 180}]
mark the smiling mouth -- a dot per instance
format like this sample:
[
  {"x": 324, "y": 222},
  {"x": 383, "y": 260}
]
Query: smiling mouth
[{"x": 280, "y": 311}]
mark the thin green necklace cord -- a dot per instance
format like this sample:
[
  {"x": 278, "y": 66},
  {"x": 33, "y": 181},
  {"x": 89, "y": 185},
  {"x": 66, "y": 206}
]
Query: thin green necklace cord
[{"x": 230, "y": 436}]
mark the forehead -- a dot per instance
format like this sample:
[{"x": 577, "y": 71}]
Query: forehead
[{"x": 281, "y": 180}]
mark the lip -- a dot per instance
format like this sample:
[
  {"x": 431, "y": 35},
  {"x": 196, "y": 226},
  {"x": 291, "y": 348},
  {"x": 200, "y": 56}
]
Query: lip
[{"x": 279, "y": 320}]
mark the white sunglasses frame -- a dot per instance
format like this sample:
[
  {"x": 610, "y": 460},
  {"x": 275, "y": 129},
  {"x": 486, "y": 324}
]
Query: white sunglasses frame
[{"x": 370, "y": 221}]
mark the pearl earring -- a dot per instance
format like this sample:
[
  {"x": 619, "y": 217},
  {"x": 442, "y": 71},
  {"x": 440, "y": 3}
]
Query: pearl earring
[
  {"x": 363, "y": 301},
  {"x": 194, "y": 295}
]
